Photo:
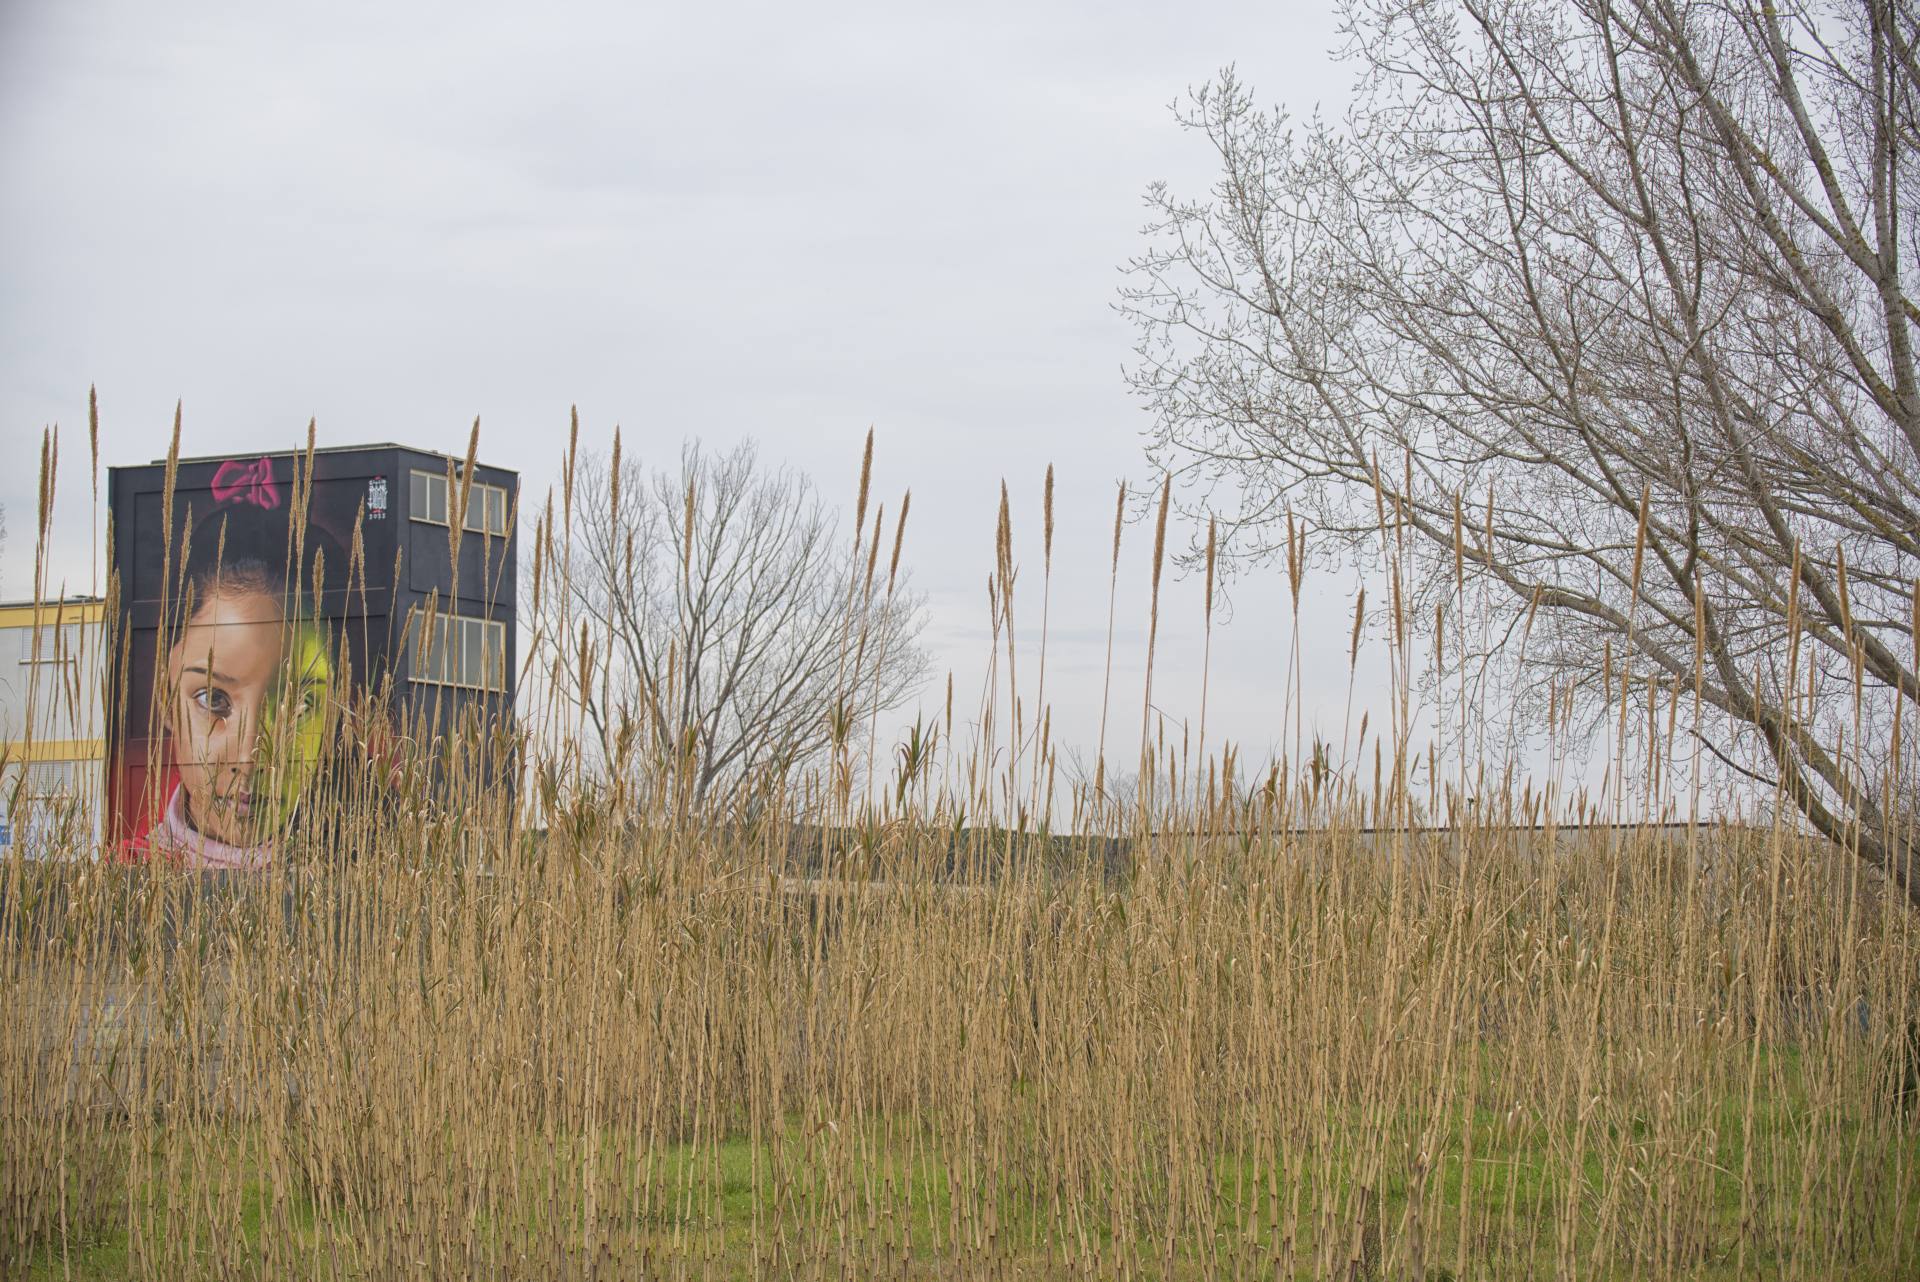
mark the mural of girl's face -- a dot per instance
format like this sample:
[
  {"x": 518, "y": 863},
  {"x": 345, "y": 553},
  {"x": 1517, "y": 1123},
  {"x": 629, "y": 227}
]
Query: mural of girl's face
[{"x": 250, "y": 707}]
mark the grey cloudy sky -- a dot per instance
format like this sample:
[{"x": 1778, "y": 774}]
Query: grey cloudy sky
[{"x": 719, "y": 220}]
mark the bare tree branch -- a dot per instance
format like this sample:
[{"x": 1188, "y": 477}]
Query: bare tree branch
[
  {"x": 726, "y": 602},
  {"x": 1614, "y": 275}
]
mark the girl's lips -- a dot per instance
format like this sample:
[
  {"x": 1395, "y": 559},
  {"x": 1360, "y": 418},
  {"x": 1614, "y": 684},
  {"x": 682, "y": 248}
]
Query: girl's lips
[{"x": 241, "y": 803}]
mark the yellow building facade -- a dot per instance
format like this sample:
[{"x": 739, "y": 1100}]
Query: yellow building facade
[{"x": 52, "y": 727}]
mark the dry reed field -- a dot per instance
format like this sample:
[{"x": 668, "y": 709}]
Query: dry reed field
[{"x": 885, "y": 1021}]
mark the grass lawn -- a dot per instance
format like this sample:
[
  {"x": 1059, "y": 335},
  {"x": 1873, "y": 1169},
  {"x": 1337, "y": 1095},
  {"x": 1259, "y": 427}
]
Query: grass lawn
[{"x": 741, "y": 1208}]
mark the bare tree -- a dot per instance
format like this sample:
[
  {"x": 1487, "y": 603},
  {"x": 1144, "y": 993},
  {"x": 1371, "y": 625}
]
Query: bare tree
[
  {"x": 1102, "y": 800},
  {"x": 1611, "y": 304},
  {"x": 713, "y": 629}
]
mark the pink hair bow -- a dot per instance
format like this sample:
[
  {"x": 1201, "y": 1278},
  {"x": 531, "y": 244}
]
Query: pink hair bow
[{"x": 246, "y": 483}]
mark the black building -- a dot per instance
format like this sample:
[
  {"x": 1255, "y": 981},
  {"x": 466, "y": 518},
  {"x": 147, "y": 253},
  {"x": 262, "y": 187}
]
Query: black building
[{"x": 370, "y": 537}]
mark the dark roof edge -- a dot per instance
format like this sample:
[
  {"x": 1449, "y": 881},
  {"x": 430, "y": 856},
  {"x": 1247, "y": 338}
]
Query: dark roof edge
[{"x": 324, "y": 449}]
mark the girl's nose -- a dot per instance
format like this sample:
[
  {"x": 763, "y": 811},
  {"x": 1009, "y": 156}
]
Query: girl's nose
[{"x": 232, "y": 741}]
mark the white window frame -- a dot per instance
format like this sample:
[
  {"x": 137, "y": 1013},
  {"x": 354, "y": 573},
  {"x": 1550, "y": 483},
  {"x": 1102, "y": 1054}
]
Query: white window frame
[
  {"x": 482, "y": 641},
  {"x": 53, "y": 648},
  {"x": 430, "y": 499}
]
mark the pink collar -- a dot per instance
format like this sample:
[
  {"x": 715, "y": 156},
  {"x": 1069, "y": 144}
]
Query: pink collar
[{"x": 175, "y": 835}]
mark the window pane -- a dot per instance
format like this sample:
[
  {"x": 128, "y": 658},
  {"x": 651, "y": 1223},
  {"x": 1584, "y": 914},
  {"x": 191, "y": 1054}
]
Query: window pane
[
  {"x": 49, "y": 779},
  {"x": 463, "y": 650},
  {"x": 419, "y": 639},
  {"x": 486, "y": 509},
  {"x": 427, "y": 496}
]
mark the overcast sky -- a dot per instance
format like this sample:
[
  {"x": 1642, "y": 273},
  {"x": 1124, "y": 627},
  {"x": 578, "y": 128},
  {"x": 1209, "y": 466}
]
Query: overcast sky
[{"x": 707, "y": 221}]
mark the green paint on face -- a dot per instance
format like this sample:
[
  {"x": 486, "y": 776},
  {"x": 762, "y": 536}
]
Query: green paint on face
[{"x": 294, "y": 722}]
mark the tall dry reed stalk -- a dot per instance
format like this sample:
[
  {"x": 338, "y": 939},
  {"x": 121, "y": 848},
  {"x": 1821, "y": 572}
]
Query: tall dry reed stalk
[{"x": 1300, "y": 1030}]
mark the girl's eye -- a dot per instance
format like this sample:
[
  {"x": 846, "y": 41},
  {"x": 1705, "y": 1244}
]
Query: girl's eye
[{"x": 214, "y": 701}]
